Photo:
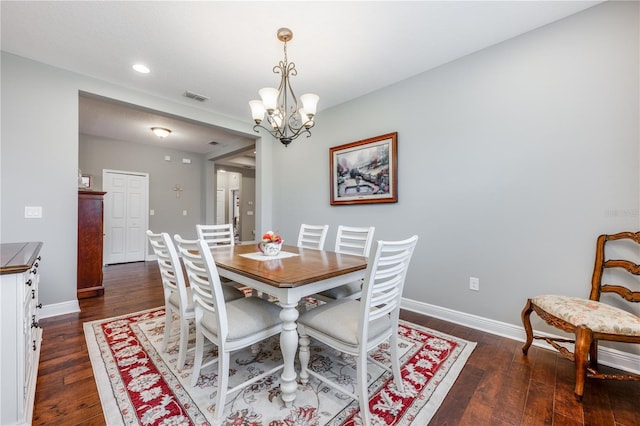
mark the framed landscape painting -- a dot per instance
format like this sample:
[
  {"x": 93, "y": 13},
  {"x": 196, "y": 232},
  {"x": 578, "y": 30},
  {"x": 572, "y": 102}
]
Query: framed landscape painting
[{"x": 365, "y": 171}]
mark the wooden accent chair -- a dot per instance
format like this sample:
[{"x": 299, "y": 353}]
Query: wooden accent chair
[
  {"x": 591, "y": 320},
  {"x": 356, "y": 327},
  {"x": 312, "y": 236}
]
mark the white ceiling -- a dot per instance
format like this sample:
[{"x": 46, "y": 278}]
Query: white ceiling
[
  {"x": 225, "y": 50},
  {"x": 120, "y": 121}
]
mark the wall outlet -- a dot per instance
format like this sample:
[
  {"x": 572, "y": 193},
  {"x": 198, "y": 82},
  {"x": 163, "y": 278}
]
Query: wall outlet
[
  {"x": 474, "y": 283},
  {"x": 32, "y": 212}
]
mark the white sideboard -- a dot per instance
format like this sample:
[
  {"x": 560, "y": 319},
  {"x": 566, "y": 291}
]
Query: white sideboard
[{"x": 20, "y": 335}]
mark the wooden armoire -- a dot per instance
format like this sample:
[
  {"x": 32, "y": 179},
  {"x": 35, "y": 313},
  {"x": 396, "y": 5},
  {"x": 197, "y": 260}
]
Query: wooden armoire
[{"x": 90, "y": 237}]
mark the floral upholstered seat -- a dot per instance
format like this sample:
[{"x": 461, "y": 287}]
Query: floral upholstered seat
[{"x": 596, "y": 316}]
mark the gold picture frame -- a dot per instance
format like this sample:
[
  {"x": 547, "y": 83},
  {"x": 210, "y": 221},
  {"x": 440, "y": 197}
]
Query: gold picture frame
[{"x": 365, "y": 172}]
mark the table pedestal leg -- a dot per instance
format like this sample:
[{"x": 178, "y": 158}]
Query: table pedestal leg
[{"x": 289, "y": 346}]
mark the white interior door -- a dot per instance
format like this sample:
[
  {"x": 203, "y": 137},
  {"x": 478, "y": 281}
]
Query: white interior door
[
  {"x": 125, "y": 215},
  {"x": 220, "y": 207}
]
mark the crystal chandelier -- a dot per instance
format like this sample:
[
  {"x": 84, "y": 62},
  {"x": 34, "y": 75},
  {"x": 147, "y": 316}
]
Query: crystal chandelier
[{"x": 286, "y": 121}]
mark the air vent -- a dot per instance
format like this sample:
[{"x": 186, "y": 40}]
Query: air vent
[
  {"x": 195, "y": 96},
  {"x": 214, "y": 143}
]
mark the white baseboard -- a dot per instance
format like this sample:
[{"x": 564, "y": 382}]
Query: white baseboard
[
  {"x": 607, "y": 356},
  {"x": 62, "y": 308}
]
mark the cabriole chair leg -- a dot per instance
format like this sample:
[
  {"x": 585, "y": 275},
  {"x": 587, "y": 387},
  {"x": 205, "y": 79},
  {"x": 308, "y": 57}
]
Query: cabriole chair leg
[
  {"x": 526, "y": 322},
  {"x": 581, "y": 353}
]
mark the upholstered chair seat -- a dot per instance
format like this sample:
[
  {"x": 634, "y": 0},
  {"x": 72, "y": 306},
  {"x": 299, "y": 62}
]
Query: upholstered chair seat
[
  {"x": 246, "y": 317},
  {"x": 597, "y": 316}
]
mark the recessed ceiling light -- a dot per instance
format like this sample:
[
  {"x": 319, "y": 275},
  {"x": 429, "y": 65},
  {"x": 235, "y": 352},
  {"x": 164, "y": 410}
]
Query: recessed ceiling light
[{"x": 141, "y": 68}]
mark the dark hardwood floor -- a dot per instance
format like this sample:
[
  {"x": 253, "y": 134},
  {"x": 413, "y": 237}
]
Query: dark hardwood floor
[{"x": 498, "y": 386}]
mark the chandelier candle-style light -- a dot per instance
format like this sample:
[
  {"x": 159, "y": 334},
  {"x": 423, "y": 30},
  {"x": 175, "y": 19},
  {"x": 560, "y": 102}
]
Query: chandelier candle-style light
[{"x": 286, "y": 120}]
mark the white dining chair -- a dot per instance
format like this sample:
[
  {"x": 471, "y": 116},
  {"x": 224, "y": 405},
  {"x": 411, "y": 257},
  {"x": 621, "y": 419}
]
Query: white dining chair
[
  {"x": 349, "y": 240},
  {"x": 230, "y": 325},
  {"x": 312, "y": 236},
  {"x": 178, "y": 299},
  {"x": 216, "y": 235},
  {"x": 356, "y": 327}
]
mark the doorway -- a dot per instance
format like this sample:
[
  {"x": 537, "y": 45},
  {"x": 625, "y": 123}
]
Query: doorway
[
  {"x": 125, "y": 220},
  {"x": 234, "y": 211},
  {"x": 236, "y": 191}
]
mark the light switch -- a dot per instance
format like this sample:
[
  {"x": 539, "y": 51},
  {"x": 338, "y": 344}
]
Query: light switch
[
  {"x": 32, "y": 212},
  {"x": 184, "y": 212},
  {"x": 249, "y": 213},
  {"x": 186, "y": 160},
  {"x": 152, "y": 212},
  {"x": 167, "y": 158}
]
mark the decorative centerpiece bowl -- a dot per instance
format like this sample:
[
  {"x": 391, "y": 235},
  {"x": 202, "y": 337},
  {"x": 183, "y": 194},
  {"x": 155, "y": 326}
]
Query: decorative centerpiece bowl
[
  {"x": 270, "y": 244},
  {"x": 269, "y": 249}
]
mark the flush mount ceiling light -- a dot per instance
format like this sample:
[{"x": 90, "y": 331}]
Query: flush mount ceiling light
[
  {"x": 141, "y": 68},
  {"x": 285, "y": 120},
  {"x": 161, "y": 132}
]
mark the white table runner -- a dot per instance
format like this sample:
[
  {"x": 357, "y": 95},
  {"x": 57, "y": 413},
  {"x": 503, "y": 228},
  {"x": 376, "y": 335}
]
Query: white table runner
[{"x": 261, "y": 257}]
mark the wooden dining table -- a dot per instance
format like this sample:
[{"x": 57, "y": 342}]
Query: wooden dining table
[{"x": 290, "y": 276}]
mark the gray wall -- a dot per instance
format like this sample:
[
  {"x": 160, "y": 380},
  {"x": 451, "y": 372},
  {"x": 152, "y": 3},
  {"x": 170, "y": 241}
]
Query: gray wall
[
  {"x": 40, "y": 168},
  {"x": 98, "y": 153},
  {"x": 511, "y": 162},
  {"x": 248, "y": 204}
]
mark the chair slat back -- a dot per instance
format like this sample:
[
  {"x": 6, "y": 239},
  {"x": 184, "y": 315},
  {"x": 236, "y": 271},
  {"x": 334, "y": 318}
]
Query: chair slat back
[
  {"x": 384, "y": 280},
  {"x": 354, "y": 240},
  {"x": 312, "y": 236},
  {"x": 216, "y": 235},
  {"x": 169, "y": 264},
  {"x": 204, "y": 280},
  {"x": 603, "y": 263}
]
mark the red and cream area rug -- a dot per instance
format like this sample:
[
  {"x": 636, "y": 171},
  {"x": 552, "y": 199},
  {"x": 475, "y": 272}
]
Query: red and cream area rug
[{"x": 140, "y": 385}]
